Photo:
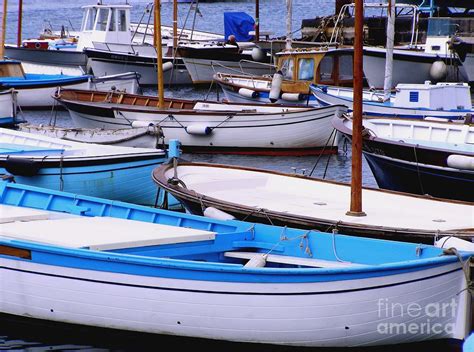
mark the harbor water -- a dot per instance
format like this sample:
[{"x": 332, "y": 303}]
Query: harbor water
[{"x": 31, "y": 335}]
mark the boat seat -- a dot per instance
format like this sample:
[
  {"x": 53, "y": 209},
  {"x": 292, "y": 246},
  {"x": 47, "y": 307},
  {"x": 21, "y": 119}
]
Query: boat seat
[
  {"x": 102, "y": 233},
  {"x": 10, "y": 213},
  {"x": 256, "y": 259}
]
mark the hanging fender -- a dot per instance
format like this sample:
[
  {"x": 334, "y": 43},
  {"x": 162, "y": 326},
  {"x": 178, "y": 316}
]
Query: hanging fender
[
  {"x": 248, "y": 93},
  {"x": 198, "y": 129},
  {"x": 22, "y": 167},
  {"x": 276, "y": 87}
]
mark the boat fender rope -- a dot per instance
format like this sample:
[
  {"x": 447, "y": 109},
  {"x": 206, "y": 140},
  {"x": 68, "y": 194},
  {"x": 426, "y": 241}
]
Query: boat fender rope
[
  {"x": 8, "y": 178},
  {"x": 259, "y": 211},
  {"x": 61, "y": 180},
  {"x": 464, "y": 266}
]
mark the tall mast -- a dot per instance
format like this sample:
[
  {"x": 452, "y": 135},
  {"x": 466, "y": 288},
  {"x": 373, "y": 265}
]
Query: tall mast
[
  {"x": 175, "y": 25},
  {"x": 387, "y": 84},
  {"x": 20, "y": 22},
  {"x": 356, "y": 178},
  {"x": 257, "y": 20},
  {"x": 159, "y": 53},
  {"x": 4, "y": 29},
  {"x": 289, "y": 15}
]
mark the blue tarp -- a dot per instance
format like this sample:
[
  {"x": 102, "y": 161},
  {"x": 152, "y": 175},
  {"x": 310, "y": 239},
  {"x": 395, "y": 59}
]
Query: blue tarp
[{"x": 238, "y": 24}]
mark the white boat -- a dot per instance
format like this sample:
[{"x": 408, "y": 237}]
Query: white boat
[
  {"x": 8, "y": 107},
  {"x": 120, "y": 173},
  {"x": 211, "y": 127},
  {"x": 304, "y": 202},
  {"x": 451, "y": 101},
  {"x": 37, "y": 90},
  {"x": 170, "y": 273},
  {"x": 138, "y": 137}
]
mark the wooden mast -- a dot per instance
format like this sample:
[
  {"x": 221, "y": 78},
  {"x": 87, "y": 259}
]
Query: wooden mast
[
  {"x": 159, "y": 53},
  {"x": 4, "y": 29},
  {"x": 356, "y": 178},
  {"x": 175, "y": 25},
  {"x": 20, "y": 23},
  {"x": 257, "y": 20}
]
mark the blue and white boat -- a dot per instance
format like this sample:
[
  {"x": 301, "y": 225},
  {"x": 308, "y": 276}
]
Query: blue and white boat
[
  {"x": 442, "y": 100},
  {"x": 165, "y": 272},
  {"x": 36, "y": 90},
  {"x": 119, "y": 173}
]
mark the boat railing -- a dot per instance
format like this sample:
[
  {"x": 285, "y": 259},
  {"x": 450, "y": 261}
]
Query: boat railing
[{"x": 250, "y": 77}]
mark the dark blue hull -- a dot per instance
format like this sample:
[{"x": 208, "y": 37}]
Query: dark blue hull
[{"x": 402, "y": 176}]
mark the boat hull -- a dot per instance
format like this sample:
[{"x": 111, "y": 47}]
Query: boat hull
[
  {"x": 66, "y": 58},
  {"x": 338, "y": 313},
  {"x": 112, "y": 178},
  {"x": 404, "y": 62},
  {"x": 202, "y": 71},
  {"x": 7, "y": 108},
  {"x": 404, "y": 176},
  {"x": 297, "y": 133}
]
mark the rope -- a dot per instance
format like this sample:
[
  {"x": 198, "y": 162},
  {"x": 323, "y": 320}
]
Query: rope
[
  {"x": 61, "y": 180},
  {"x": 330, "y": 155},
  {"x": 464, "y": 266},
  {"x": 418, "y": 170},
  {"x": 322, "y": 151},
  {"x": 258, "y": 211},
  {"x": 227, "y": 119}
]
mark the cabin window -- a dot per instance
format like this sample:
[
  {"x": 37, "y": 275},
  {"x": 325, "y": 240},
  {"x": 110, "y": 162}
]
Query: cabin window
[
  {"x": 287, "y": 68},
  {"x": 345, "y": 67},
  {"x": 102, "y": 20},
  {"x": 306, "y": 69},
  {"x": 122, "y": 21},
  {"x": 112, "y": 20},
  {"x": 414, "y": 97},
  {"x": 325, "y": 68},
  {"x": 90, "y": 19}
]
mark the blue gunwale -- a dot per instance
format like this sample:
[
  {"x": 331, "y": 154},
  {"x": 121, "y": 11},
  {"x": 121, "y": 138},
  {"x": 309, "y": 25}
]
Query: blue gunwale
[{"x": 389, "y": 257}]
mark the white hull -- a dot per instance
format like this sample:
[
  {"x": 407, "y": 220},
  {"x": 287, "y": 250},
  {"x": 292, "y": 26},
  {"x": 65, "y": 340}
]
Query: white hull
[
  {"x": 7, "y": 105},
  {"x": 307, "y": 128},
  {"x": 408, "y": 67},
  {"x": 142, "y": 137},
  {"x": 148, "y": 73},
  {"x": 202, "y": 70},
  {"x": 373, "y": 311},
  {"x": 43, "y": 97}
]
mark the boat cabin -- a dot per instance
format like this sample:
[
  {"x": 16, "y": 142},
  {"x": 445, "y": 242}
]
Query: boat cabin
[
  {"x": 318, "y": 66},
  {"x": 105, "y": 24},
  {"x": 440, "y": 96}
]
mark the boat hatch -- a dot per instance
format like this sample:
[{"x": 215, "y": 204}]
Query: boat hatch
[{"x": 101, "y": 233}]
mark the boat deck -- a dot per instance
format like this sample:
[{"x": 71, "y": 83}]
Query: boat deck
[{"x": 97, "y": 233}]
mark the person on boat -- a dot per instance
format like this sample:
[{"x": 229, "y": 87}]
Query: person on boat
[{"x": 232, "y": 41}]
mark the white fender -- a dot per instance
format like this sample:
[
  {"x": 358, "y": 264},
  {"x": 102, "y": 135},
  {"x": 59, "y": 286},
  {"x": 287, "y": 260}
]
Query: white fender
[
  {"x": 167, "y": 66},
  {"x": 248, "y": 93},
  {"x": 214, "y": 213},
  {"x": 462, "y": 162},
  {"x": 258, "y": 55},
  {"x": 438, "y": 70},
  {"x": 459, "y": 244},
  {"x": 199, "y": 129},
  {"x": 276, "y": 87},
  {"x": 138, "y": 124},
  {"x": 292, "y": 96}
]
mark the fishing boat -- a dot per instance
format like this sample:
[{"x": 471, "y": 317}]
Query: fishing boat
[
  {"x": 422, "y": 157},
  {"x": 210, "y": 127},
  {"x": 37, "y": 90},
  {"x": 305, "y": 202},
  {"x": 296, "y": 70},
  {"x": 450, "y": 101},
  {"x": 148, "y": 136},
  {"x": 119, "y": 173},
  {"x": 171, "y": 273},
  {"x": 8, "y": 108}
]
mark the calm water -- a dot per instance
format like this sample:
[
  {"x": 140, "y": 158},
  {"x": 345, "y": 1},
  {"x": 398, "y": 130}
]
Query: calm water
[{"x": 39, "y": 336}]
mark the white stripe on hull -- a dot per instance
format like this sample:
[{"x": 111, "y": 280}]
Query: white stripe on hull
[
  {"x": 349, "y": 318},
  {"x": 275, "y": 131}
]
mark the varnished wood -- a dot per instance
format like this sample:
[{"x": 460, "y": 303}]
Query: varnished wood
[{"x": 15, "y": 252}]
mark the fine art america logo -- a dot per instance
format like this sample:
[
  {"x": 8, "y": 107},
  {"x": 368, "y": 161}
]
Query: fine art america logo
[{"x": 414, "y": 318}]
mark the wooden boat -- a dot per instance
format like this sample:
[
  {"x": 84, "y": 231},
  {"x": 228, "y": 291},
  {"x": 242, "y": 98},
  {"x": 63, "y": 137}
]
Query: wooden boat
[
  {"x": 8, "y": 108},
  {"x": 299, "y": 68},
  {"x": 36, "y": 90},
  {"x": 210, "y": 127},
  {"x": 422, "y": 157},
  {"x": 450, "y": 101},
  {"x": 120, "y": 173},
  {"x": 303, "y": 202},
  {"x": 138, "y": 137},
  {"x": 165, "y": 272}
]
